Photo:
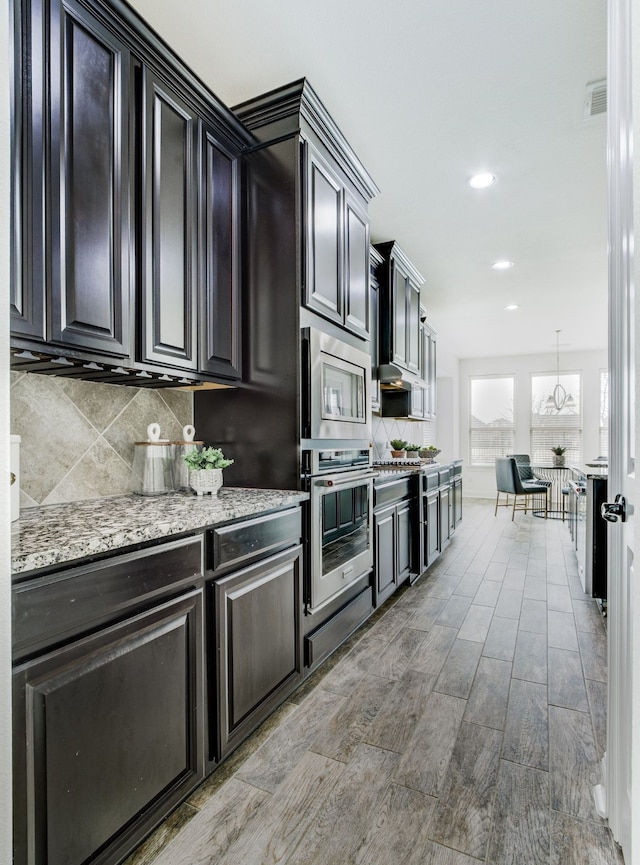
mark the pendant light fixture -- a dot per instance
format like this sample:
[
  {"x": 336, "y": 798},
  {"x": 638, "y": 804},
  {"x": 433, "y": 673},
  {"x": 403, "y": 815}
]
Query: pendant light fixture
[{"x": 559, "y": 398}]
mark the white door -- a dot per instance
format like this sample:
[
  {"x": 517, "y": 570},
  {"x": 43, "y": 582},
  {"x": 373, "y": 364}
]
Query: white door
[{"x": 623, "y": 736}]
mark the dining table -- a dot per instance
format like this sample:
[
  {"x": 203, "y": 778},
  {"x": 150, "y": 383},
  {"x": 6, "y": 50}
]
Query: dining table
[{"x": 558, "y": 476}]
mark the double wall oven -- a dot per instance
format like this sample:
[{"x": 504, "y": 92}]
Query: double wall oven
[
  {"x": 341, "y": 513},
  {"x": 337, "y": 465}
]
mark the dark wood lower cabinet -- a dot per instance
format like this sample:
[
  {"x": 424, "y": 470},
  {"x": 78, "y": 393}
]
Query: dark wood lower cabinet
[
  {"x": 136, "y": 674},
  {"x": 445, "y": 516},
  {"x": 258, "y": 616},
  {"x": 456, "y": 492},
  {"x": 108, "y": 736},
  {"x": 432, "y": 526},
  {"x": 385, "y": 570},
  {"x": 393, "y": 546}
]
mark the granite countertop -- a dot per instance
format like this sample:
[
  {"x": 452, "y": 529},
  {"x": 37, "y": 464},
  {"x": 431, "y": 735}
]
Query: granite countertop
[
  {"x": 56, "y": 534},
  {"x": 592, "y": 469}
]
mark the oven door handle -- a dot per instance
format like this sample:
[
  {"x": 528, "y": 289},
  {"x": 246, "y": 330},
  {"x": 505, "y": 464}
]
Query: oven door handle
[{"x": 346, "y": 478}]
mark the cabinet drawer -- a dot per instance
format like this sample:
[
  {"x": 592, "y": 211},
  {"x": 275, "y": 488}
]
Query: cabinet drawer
[
  {"x": 393, "y": 491},
  {"x": 50, "y": 610},
  {"x": 444, "y": 475},
  {"x": 240, "y": 543},
  {"x": 430, "y": 481},
  {"x": 333, "y": 633}
]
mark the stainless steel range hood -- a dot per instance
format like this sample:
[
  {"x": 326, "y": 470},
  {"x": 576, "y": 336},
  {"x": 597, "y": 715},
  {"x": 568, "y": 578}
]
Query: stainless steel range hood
[
  {"x": 391, "y": 378},
  {"x": 397, "y": 392}
]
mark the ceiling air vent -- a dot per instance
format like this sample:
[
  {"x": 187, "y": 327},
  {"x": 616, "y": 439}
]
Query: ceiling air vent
[{"x": 595, "y": 100}]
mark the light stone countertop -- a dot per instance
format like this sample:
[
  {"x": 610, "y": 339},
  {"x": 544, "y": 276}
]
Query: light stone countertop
[{"x": 56, "y": 534}]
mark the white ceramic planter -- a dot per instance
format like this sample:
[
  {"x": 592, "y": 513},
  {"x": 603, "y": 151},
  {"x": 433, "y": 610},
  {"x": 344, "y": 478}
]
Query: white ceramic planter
[{"x": 205, "y": 481}]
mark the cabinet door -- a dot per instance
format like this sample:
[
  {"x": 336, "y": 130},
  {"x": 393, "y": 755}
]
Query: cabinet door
[
  {"x": 28, "y": 259},
  {"x": 258, "y": 613},
  {"x": 356, "y": 288},
  {"x": 385, "y": 546},
  {"x": 374, "y": 333},
  {"x": 413, "y": 327},
  {"x": 417, "y": 400},
  {"x": 324, "y": 230},
  {"x": 108, "y": 736},
  {"x": 445, "y": 516},
  {"x": 429, "y": 372},
  {"x": 403, "y": 519},
  {"x": 89, "y": 183},
  {"x": 457, "y": 501},
  {"x": 220, "y": 316},
  {"x": 169, "y": 237},
  {"x": 400, "y": 284},
  {"x": 433, "y": 527}
]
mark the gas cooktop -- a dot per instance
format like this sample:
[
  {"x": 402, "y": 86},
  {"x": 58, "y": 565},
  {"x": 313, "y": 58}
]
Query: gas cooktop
[
  {"x": 416, "y": 465},
  {"x": 398, "y": 464}
]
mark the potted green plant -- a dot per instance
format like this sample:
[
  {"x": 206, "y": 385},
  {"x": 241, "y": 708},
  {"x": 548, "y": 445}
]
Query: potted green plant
[
  {"x": 412, "y": 450},
  {"x": 397, "y": 447},
  {"x": 205, "y": 469},
  {"x": 429, "y": 454},
  {"x": 558, "y": 455}
]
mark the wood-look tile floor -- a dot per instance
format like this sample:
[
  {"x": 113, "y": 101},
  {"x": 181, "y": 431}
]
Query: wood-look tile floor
[{"x": 463, "y": 724}]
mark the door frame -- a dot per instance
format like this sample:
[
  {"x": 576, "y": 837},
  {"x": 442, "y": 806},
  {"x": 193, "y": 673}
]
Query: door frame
[{"x": 620, "y": 787}]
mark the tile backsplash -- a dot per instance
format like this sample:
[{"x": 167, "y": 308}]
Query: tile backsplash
[
  {"x": 386, "y": 428},
  {"x": 77, "y": 436}
]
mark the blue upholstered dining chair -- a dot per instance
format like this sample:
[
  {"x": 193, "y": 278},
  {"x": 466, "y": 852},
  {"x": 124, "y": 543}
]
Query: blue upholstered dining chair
[
  {"x": 508, "y": 481},
  {"x": 528, "y": 476},
  {"x": 523, "y": 461}
]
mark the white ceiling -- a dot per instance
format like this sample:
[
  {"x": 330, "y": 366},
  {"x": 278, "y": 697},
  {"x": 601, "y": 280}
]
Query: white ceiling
[{"x": 428, "y": 92}]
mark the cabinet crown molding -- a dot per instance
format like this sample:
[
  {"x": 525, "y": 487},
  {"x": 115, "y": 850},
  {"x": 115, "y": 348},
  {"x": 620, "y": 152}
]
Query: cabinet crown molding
[
  {"x": 391, "y": 250},
  {"x": 294, "y": 109}
]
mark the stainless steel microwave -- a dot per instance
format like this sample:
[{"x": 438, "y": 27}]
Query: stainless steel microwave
[{"x": 338, "y": 392}]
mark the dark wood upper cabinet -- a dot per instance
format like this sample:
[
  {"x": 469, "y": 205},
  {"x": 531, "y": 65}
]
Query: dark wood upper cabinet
[
  {"x": 399, "y": 323},
  {"x": 27, "y": 283},
  {"x": 169, "y": 227},
  {"x": 72, "y": 206},
  {"x": 125, "y": 203},
  {"x": 428, "y": 366},
  {"x": 375, "y": 260},
  {"x": 400, "y": 284},
  {"x": 413, "y": 326},
  {"x": 332, "y": 191},
  {"x": 220, "y": 313},
  {"x": 324, "y": 291},
  {"x": 357, "y": 297},
  {"x": 337, "y": 248}
]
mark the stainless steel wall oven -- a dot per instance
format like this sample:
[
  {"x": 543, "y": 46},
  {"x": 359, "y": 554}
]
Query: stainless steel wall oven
[{"x": 341, "y": 512}]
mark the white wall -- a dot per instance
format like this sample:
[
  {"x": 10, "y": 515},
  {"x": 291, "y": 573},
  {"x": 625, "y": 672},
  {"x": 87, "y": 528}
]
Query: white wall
[
  {"x": 447, "y": 431},
  {"x": 5, "y": 558},
  {"x": 479, "y": 481}
]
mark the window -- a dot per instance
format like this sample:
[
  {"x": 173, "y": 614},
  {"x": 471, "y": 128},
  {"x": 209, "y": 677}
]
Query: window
[
  {"x": 604, "y": 413},
  {"x": 491, "y": 426},
  {"x": 553, "y": 427}
]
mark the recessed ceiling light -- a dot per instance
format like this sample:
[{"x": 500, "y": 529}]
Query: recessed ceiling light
[
  {"x": 483, "y": 180},
  {"x": 511, "y": 306},
  {"x": 502, "y": 265}
]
